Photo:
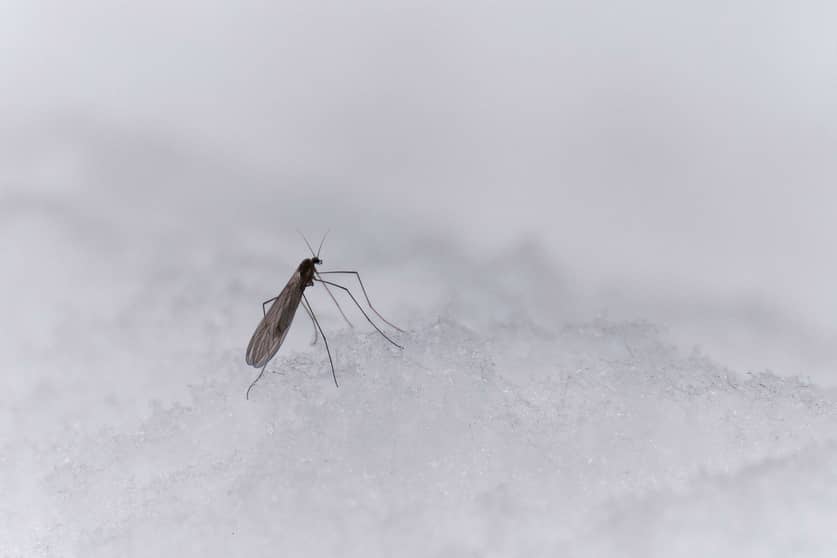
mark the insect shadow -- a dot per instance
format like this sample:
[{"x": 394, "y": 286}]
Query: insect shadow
[{"x": 274, "y": 326}]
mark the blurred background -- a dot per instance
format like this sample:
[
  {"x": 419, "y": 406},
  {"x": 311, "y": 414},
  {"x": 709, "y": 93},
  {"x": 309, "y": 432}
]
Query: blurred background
[
  {"x": 600, "y": 223},
  {"x": 676, "y": 160}
]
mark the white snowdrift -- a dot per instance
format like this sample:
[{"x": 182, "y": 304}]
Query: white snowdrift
[
  {"x": 512, "y": 441},
  {"x": 514, "y": 423}
]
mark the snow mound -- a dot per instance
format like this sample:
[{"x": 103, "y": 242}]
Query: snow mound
[
  {"x": 778, "y": 507},
  {"x": 509, "y": 441}
]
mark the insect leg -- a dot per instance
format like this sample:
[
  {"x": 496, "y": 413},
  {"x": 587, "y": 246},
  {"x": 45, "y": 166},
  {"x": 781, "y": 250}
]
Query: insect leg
[
  {"x": 259, "y": 377},
  {"x": 361, "y": 310},
  {"x": 311, "y": 315},
  {"x": 338, "y": 307},
  {"x": 316, "y": 323},
  {"x": 369, "y": 302}
]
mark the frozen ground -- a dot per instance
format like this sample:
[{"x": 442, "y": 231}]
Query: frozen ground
[{"x": 518, "y": 421}]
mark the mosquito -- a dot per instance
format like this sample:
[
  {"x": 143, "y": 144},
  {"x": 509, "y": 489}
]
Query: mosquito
[{"x": 271, "y": 331}]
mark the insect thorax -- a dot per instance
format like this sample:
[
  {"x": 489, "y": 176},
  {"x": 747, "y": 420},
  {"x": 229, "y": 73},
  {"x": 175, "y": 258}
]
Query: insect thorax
[{"x": 306, "y": 271}]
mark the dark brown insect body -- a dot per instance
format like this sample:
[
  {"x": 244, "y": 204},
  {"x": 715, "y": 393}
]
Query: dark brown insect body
[{"x": 274, "y": 326}]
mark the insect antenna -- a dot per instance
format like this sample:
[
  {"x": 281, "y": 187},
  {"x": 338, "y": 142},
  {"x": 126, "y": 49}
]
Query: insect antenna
[
  {"x": 307, "y": 243},
  {"x": 359, "y": 307},
  {"x": 321, "y": 242},
  {"x": 317, "y": 255},
  {"x": 316, "y": 323}
]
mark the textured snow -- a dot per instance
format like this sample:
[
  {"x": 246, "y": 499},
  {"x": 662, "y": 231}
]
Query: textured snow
[{"x": 516, "y": 422}]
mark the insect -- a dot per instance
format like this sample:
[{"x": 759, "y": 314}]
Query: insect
[{"x": 276, "y": 322}]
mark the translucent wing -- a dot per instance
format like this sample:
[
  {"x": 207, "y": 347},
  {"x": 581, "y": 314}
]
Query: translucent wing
[{"x": 273, "y": 328}]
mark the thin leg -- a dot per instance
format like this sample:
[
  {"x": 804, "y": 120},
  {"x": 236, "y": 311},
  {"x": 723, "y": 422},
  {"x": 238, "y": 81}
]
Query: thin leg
[
  {"x": 311, "y": 315},
  {"x": 266, "y": 302},
  {"x": 316, "y": 323},
  {"x": 369, "y": 302},
  {"x": 259, "y": 377},
  {"x": 338, "y": 307},
  {"x": 361, "y": 309}
]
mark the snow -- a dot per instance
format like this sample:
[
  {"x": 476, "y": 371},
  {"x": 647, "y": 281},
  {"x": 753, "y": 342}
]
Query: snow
[{"x": 519, "y": 420}]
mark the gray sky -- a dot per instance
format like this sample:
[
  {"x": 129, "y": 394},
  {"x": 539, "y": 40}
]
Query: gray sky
[{"x": 674, "y": 145}]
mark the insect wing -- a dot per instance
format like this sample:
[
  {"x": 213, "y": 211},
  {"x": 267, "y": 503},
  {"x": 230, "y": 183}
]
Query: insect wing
[{"x": 273, "y": 328}]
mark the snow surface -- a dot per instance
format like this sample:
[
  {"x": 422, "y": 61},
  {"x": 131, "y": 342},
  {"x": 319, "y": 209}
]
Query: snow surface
[{"x": 518, "y": 420}]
